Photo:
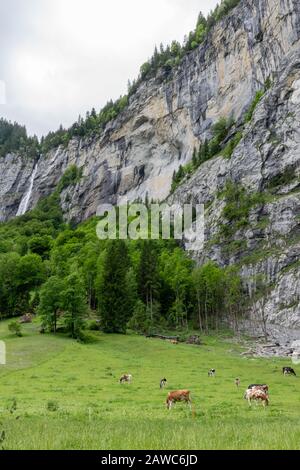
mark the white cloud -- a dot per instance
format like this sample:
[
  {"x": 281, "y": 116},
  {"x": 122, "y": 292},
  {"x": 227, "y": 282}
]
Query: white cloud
[
  {"x": 62, "y": 57},
  {"x": 2, "y": 92}
]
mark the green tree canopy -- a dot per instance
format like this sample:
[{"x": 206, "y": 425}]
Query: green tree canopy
[
  {"x": 51, "y": 302},
  {"x": 74, "y": 304},
  {"x": 114, "y": 296}
]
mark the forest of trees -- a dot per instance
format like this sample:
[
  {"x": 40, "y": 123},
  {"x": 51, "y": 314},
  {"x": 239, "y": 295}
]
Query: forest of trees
[
  {"x": 70, "y": 278},
  {"x": 13, "y": 138}
]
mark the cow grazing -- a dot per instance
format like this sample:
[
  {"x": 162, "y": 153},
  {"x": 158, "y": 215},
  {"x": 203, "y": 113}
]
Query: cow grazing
[
  {"x": 288, "y": 371},
  {"x": 212, "y": 373},
  {"x": 262, "y": 387},
  {"x": 237, "y": 382},
  {"x": 163, "y": 383},
  {"x": 257, "y": 394},
  {"x": 179, "y": 396},
  {"x": 126, "y": 378},
  {"x": 173, "y": 341}
]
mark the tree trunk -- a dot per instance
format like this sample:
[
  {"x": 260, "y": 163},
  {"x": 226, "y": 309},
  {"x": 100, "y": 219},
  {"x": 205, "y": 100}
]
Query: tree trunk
[
  {"x": 217, "y": 321},
  {"x": 90, "y": 294},
  {"x": 199, "y": 313},
  {"x": 55, "y": 322},
  {"x": 73, "y": 327},
  {"x": 206, "y": 319},
  {"x": 151, "y": 307}
]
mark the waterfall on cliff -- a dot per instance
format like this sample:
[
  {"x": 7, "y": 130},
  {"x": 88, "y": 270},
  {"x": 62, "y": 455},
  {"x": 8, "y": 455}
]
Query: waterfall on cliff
[{"x": 26, "y": 198}]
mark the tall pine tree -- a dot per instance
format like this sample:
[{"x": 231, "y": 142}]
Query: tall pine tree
[
  {"x": 115, "y": 302},
  {"x": 148, "y": 276},
  {"x": 74, "y": 304}
]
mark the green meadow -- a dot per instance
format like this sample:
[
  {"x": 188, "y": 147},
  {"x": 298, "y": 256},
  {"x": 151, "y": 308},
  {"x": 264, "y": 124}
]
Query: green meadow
[{"x": 56, "y": 393}]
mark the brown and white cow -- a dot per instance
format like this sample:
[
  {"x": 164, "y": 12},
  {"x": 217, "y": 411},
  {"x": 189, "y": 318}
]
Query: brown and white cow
[
  {"x": 257, "y": 394},
  {"x": 263, "y": 387},
  {"x": 178, "y": 396},
  {"x": 126, "y": 378}
]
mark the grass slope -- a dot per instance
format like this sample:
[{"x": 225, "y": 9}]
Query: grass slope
[{"x": 95, "y": 412}]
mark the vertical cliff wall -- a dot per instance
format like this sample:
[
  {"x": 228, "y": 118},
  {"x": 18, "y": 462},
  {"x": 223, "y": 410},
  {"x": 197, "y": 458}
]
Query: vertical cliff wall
[{"x": 264, "y": 242}]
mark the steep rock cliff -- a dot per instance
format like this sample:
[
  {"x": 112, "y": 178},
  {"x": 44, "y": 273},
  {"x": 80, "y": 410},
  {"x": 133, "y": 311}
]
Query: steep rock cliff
[{"x": 267, "y": 164}]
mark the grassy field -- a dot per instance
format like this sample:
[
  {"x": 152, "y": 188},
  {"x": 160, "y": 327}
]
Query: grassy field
[{"x": 68, "y": 395}]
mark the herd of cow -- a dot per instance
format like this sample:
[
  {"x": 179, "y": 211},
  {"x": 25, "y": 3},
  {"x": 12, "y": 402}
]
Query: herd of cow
[{"x": 254, "y": 393}]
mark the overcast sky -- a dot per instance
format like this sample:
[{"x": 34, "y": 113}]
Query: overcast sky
[{"x": 60, "y": 58}]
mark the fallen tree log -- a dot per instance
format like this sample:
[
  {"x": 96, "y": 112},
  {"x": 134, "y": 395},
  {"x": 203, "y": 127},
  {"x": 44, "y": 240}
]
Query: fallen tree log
[{"x": 163, "y": 337}]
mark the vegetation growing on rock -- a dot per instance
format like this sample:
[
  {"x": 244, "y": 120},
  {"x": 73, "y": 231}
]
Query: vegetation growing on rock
[
  {"x": 221, "y": 143},
  {"x": 14, "y": 138}
]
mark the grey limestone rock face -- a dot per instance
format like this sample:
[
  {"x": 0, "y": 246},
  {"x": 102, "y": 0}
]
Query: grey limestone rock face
[{"x": 269, "y": 244}]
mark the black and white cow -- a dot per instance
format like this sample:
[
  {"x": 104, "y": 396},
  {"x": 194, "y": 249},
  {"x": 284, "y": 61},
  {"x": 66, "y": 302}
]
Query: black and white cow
[
  {"x": 288, "y": 371},
  {"x": 212, "y": 373},
  {"x": 163, "y": 383}
]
